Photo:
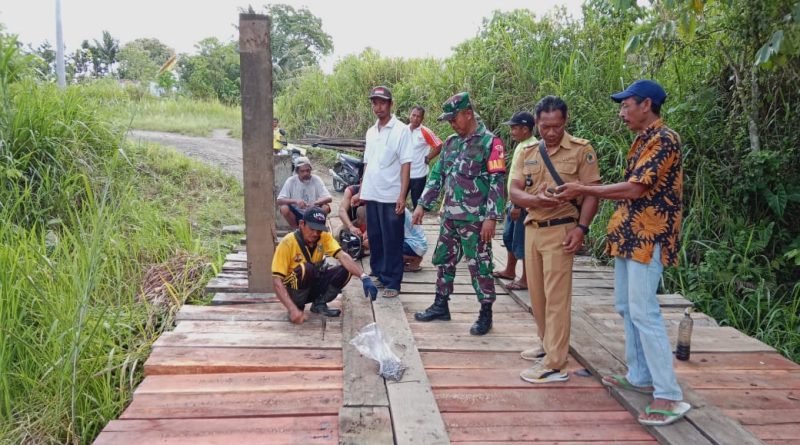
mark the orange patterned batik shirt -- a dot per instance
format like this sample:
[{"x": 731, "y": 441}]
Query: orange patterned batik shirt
[{"x": 654, "y": 160}]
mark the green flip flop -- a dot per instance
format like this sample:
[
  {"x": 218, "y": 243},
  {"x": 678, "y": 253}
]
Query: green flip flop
[
  {"x": 621, "y": 382},
  {"x": 679, "y": 410}
]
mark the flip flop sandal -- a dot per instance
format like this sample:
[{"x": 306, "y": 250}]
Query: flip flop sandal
[
  {"x": 516, "y": 285},
  {"x": 621, "y": 382},
  {"x": 499, "y": 275},
  {"x": 679, "y": 410},
  {"x": 412, "y": 269},
  {"x": 390, "y": 293}
]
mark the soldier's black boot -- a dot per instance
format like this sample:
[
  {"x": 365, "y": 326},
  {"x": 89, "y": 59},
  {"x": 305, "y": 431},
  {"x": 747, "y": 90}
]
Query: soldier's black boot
[
  {"x": 439, "y": 310},
  {"x": 484, "y": 322}
]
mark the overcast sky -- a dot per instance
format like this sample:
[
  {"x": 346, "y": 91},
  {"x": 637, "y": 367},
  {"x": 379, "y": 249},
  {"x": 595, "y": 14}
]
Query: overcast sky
[{"x": 405, "y": 28}]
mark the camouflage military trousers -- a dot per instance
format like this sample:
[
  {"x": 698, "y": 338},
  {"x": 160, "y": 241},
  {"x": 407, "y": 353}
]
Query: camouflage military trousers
[{"x": 458, "y": 238}]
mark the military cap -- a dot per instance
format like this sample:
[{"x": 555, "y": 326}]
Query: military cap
[{"x": 453, "y": 105}]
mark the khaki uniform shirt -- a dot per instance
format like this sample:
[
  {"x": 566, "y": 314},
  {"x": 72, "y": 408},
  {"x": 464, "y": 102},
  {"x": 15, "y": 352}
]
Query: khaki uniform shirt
[{"x": 574, "y": 160}]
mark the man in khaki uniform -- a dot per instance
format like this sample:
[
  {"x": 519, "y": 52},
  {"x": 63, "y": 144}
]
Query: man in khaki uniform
[{"x": 554, "y": 231}]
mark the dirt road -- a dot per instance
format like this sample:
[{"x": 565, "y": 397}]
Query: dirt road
[{"x": 219, "y": 150}]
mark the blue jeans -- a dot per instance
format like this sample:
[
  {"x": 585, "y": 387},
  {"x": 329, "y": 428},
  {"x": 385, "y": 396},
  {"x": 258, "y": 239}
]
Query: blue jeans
[
  {"x": 647, "y": 347},
  {"x": 514, "y": 234}
]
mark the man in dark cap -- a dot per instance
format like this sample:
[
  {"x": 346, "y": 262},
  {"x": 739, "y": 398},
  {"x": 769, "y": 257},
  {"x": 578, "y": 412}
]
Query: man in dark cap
[
  {"x": 643, "y": 237},
  {"x": 300, "y": 274},
  {"x": 521, "y": 124},
  {"x": 387, "y": 168},
  {"x": 471, "y": 170}
]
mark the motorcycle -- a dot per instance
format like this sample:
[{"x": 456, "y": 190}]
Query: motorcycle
[{"x": 346, "y": 171}]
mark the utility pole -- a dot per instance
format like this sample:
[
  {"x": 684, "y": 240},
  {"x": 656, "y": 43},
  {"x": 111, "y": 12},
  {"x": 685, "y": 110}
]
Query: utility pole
[{"x": 60, "y": 75}]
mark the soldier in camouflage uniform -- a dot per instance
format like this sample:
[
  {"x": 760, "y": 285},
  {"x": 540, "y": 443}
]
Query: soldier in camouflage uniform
[{"x": 471, "y": 169}]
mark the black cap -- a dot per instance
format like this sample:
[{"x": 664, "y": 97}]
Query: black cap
[
  {"x": 521, "y": 118},
  {"x": 381, "y": 92},
  {"x": 315, "y": 218}
]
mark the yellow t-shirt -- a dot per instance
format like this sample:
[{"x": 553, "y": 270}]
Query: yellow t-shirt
[
  {"x": 277, "y": 139},
  {"x": 288, "y": 254}
]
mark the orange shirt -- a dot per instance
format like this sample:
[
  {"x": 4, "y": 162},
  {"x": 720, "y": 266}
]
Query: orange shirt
[{"x": 654, "y": 160}]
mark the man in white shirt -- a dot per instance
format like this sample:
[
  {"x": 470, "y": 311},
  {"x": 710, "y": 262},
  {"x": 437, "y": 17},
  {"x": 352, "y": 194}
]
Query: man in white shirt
[
  {"x": 302, "y": 191},
  {"x": 387, "y": 166},
  {"x": 425, "y": 146}
]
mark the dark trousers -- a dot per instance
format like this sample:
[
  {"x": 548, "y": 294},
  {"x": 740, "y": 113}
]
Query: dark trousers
[
  {"x": 415, "y": 188},
  {"x": 385, "y": 231},
  {"x": 317, "y": 283}
]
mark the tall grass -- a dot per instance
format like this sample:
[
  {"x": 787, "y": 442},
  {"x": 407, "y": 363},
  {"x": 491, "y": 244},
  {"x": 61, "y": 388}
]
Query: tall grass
[{"x": 86, "y": 221}]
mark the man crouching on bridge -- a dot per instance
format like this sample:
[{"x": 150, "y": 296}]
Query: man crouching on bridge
[{"x": 300, "y": 274}]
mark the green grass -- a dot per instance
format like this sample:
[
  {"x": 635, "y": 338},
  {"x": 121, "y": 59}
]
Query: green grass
[
  {"x": 180, "y": 115},
  {"x": 101, "y": 242}
]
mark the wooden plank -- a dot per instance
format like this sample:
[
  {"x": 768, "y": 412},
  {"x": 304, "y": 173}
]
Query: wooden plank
[
  {"x": 257, "y": 155},
  {"x": 554, "y": 426},
  {"x": 193, "y": 406},
  {"x": 240, "y": 382},
  {"x": 765, "y": 416},
  {"x": 471, "y": 360},
  {"x": 250, "y": 327},
  {"x": 263, "y": 311},
  {"x": 465, "y": 342},
  {"x": 518, "y": 328},
  {"x": 227, "y": 285},
  {"x": 458, "y": 303},
  {"x": 234, "y": 265},
  {"x": 428, "y": 289},
  {"x": 534, "y": 398},
  {"x": 221, "y": 298},
  {"x": 415, "y": 415},
  {"x": 233, "y": 229},
  {"x": 506, "y": 378},
  {"x": 743, "y": 380},
  {"x": 365, "y": 425},
  {"x": 190, "y": 360},
  {"x": 705, "y": 423},
  {"x": 311, "y": 430},
  {"x": 247, "y": 340},
  {"x": 362, "y": 384},
  {"x": 724, "y": 361},
  {"x": 730, "y": 399},
  {"x": 777, "y": 432},
  {"x": 708, "y": 339}
]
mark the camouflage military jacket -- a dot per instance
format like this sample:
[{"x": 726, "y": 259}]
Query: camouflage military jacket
[{"x": 472, "y": 171}]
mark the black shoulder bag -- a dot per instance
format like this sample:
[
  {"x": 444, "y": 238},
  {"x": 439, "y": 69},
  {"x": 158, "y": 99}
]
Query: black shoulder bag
[
  {"x": 302, "y": 243},
  {"x": 556, "y": 177}
]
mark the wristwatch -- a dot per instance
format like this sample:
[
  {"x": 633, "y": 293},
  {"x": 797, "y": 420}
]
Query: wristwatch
[{"x": 584, "y": 229}]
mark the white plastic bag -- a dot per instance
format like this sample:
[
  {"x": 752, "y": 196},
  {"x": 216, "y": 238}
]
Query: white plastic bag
[{"x": 372, "y": 343}]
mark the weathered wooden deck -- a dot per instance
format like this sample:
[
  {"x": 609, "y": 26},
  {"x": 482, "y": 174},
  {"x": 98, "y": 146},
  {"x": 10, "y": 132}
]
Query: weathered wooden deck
[{"x": 238, "y": 372}]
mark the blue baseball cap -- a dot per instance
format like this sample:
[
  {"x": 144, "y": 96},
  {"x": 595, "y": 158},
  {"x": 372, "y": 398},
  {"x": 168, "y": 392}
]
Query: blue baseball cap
[
  {"x": 315, "y": 218},
  {"x": 643, "y": 88}
]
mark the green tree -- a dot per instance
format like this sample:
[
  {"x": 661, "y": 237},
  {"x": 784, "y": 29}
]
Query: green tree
[
  {"x": 297, "y": 41},
  {"x": 142, "y": 58},
  {"x": 104, "y": 54},
  {"x": 213, "y": 73}
]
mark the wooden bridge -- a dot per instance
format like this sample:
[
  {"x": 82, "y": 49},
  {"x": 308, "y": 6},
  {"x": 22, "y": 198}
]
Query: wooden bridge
[{"x": 238, "y": 372}]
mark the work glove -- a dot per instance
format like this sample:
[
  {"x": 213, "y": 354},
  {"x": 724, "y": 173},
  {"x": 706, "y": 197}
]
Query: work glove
[{"x": 370, "y": 291}]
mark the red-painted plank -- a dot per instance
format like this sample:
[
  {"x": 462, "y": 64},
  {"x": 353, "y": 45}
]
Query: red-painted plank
[
  {"x": 241, "y": 382},
  {"x": 599, "y": 427},
  {"x": 312, "y": 430},
  {"x": 537, "y": 398},
  {"x": 187, "y": 360},
  {"x": 209, "y": 405}
]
